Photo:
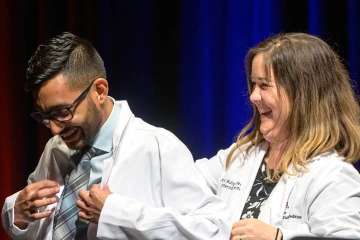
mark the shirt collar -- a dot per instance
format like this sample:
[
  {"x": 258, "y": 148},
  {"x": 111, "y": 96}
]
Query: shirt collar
[{"x": 103, "y": 139}]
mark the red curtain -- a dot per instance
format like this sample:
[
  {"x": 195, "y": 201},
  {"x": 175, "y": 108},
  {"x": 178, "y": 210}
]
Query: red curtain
[
  {"x": 141, "y": 44},
  {"x": 14, "y": 118},
  {"x": 11, "y": 120}
]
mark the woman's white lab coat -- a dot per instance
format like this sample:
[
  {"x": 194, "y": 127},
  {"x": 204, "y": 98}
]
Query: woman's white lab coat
[
  {"x": 325, "y": 201},
  {"x": 158, "y": 193}
]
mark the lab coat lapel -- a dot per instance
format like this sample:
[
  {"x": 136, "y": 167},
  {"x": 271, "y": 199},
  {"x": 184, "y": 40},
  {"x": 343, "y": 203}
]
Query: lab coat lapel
[
  {"x": 125, "y": 118},
  {"x": 251, "y": 166},
  {"x": 273, "y": 211}
]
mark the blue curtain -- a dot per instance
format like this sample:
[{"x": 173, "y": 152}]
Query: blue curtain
[
  {"x": 214, "y": 38},
  {"x": 179, "y": 63}
]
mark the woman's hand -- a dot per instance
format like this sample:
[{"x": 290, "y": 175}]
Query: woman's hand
[{"x": 252, "y": 229}]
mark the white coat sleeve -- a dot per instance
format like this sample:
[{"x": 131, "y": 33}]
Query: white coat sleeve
[
  {"x": 189, "y": 211},
  {"x": 55, "y": 152},
  {"x": 7, "y": 217},
  {"x": 333, "y": 204},
  {"x": 212, "y": 169}
]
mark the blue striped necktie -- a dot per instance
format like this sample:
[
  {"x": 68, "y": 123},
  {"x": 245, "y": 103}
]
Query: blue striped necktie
[{"x": 66, "y": 218}]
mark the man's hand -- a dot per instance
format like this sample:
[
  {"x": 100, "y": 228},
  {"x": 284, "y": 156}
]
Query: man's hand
[
  {"x": 252, "y": 228},
  {"x": 92, "y": 202},
  {"x": 31, "y": 198}
]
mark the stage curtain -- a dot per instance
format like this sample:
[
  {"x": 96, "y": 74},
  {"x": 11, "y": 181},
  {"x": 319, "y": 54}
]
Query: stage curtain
[{"x": 179, "y": 63}]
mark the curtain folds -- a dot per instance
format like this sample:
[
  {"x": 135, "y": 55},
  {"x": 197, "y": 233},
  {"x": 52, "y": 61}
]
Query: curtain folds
[{"x": 179, "y": 63}]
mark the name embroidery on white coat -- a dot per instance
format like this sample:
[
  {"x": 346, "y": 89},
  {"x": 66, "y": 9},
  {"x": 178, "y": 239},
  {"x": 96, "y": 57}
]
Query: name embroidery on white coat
[
  {"x": 288, "y": 216},
  {"x": 230, "y": 185}
]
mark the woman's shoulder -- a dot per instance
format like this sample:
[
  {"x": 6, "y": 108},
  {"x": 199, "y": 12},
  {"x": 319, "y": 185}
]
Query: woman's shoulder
[{"x": 331, "y": 162}]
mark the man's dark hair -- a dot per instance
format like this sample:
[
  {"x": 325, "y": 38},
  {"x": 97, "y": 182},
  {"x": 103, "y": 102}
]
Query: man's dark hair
[{"x": 65, "y": 54}]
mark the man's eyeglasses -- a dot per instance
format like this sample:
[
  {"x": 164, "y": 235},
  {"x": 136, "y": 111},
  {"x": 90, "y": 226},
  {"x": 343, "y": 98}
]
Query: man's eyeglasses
[{"x": 61, "y": 114}]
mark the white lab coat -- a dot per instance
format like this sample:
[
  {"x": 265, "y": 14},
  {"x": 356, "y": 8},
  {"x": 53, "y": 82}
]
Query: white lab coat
[
  {"x": 322, "y": 202},
  {"x": 158, "y": 192}
]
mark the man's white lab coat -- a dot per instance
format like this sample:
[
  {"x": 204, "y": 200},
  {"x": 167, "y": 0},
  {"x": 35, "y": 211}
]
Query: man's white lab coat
[{"x": 158, "y": 192}]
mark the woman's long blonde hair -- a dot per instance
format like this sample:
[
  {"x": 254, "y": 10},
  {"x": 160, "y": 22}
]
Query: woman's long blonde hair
[{"x": 324, "y": 110}]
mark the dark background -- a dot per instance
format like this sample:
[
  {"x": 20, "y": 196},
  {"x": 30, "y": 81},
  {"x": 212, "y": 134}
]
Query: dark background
[{"x": 179, "y": 63}]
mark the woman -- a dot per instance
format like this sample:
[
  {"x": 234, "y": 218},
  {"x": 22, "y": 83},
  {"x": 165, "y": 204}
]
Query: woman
[{"x": 289, "y": 173}]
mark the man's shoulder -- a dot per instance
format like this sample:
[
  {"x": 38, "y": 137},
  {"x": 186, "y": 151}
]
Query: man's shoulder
[
  {"x": 148, "y": 129},
  {"x": 145, "y": 133}
]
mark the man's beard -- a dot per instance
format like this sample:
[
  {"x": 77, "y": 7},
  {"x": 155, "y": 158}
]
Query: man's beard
[{"x": 91, "y": 125}]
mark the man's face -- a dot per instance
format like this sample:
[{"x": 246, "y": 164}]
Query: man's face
[{"x": 83, "y": 127}]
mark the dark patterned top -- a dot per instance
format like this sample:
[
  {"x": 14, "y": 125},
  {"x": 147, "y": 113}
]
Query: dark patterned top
[{"x": 258, "y": 195}]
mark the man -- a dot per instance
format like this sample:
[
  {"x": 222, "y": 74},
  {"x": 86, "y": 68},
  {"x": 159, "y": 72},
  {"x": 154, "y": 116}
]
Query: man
[{"x": 142, "y": 181}]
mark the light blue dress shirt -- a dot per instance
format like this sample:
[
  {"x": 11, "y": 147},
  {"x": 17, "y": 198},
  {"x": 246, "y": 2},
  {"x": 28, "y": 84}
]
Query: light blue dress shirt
[{"x": 103, "y": 141}]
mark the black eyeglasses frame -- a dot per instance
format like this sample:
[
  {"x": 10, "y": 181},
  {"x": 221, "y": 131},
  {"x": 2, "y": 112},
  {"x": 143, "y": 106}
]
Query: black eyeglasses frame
[{"x": 45, "y": 116}]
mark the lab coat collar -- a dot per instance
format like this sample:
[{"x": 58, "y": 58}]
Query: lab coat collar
[
  {"x": 240, "y": 156},
  {"x": 125, "y": 117}
]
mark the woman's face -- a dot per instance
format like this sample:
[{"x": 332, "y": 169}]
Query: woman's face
[{"x": 273, "y": 109}]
